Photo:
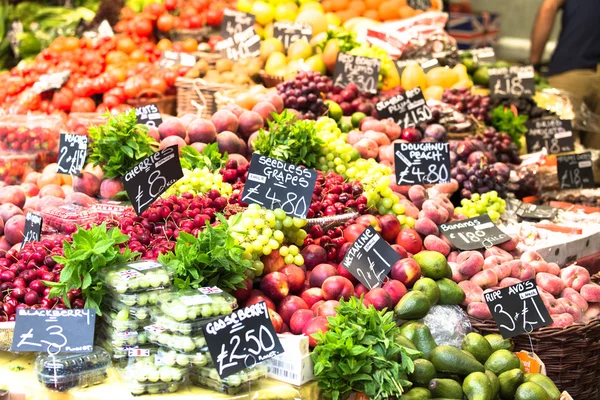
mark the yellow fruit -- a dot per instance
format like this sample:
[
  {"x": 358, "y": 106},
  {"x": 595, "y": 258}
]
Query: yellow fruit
[
  {"x": 298, "y": 50},
  {"x": 270, "y": 46},
  {"x": 264, "y": 12},
  {"x": 313, "y": 5},
  {"x": 333, "y": 19},
  {"x": 433, "y": 92},
  {"x": 314, "y": 18},
  {"x": 461, "y": 70},
  {"x": 463, "y": 84},
  {"x": 275, "y": 61},
  {"x": 442, "y": 76},
  {"x": 267, "y": 31},
  {"x": 413, "y": 76},
  {"x": 244, "y": 5},
  {"x": 286, "y": 12},
  {"x": 316, "y": 64}
]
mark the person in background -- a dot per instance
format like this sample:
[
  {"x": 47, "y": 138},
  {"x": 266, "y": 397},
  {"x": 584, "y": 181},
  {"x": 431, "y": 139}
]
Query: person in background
[{"x": 575, "y": 64}]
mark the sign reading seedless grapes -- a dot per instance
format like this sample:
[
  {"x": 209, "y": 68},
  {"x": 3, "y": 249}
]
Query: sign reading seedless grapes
[
  {"x": 426, "y": 163},
  {"x": 474, "y": 233},
  {"x": 242, "y": 339},
  {"x": 276, "y": 184},
  {"x": 362, "y": 71}
]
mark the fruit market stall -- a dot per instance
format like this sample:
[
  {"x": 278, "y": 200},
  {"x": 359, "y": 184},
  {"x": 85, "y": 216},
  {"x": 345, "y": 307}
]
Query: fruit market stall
[{"x": 292, "y": 201}]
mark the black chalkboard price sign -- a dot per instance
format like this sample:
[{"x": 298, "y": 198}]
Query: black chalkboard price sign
[
  {"x": 54, "y": 331},
  {"x": 242, "y": 339},
  {"x": 575, "y": 171},
  {"x": 554, "y": 134},
  {"x": 235, "y": 22},
  {"x": 362, "y": 71},
  {"x": 33, "y": 228},
  {"x": 370, "y": 258},
  {"x": 534, "y": 211},
  {"x": 419, "y": 4},
  {"x": 245, "y": 44},
  {"x": 474, "y": 233},
  {"x": 289, "y": 33},
  {"x": 512, "y": 81},
  {"x": 148, "y": 115},
  {"x": 152, "y": 177},
  {"x": 407, "y": 109},
  {"x": 276, "y": 184},
  {"x": 426, "y": 163},
  {"x": 517, "y": 309},
  {"x": 72, "y": 153}
]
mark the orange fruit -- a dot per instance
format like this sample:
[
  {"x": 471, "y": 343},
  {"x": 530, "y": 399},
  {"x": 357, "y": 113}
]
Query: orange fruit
[
  {"x": 373, "y": 14},
  {"x": 327, "y": 6},
  {"x": 189, "y": 45},
  {"x": 388, "y": 11},
  {"x": 126, "y": 45},
  {"x": 71, "y": 43},
  {"x": 164, "y": 44},
  {"x": 372, "y": 4},
  {"x": 358, "y": 6},
  {"x": 116, "y": 57},
  {"x": 339, "y": 5},
  {"x": 138, "y": 56},
  {"x": 405, "y": 12}
]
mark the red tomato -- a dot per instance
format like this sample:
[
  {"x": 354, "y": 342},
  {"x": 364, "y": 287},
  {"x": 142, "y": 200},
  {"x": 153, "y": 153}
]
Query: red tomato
[
  {"x": 83, "y": 104},
  {"x": 199, "y": 5},
  {"x": 83, "y": 88},
  {"x": 165, "y": 22},
  {"x": 155, "y": 9},
  {"x": 196, "y": 21},
  {"x": 170, "y": 77},
  {"x": 111, "y": 101},
  {"x": 101, "y": 109},
  {"x": 170, "y": 4},
  {"x": 214, "y": 17},
  {"x": 158, "y": 84},
  {"x": 61, "y": 101},
  {"x": 142, "y": 27},
  {"x": 212, "y": 42},
  {"x": 134, "y": 86}
]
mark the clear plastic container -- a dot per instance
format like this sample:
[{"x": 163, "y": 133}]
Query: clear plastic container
[
  {"x": 151, "y": 369},
  {"x": 125, "y": 312},
  {"x": 123, "y": 338},
  {"x": 120, "y": 354},
  {"x": 66, "y": 217},
  {"x": 122, "y": 321},
  {"x": 172, "y": 341},
  {"x": 208, "y": 377},
  {"x": 191, "y": 305},
  {"x": 138, "y": 389},
  {"x": 138, "y": 276},
  {"x": 189, "y": 328},
  {"x": 141, "y": 299},
  {"x": 79, "y": 123},
  {"x": 194, "y": 360},
  {"x": 14, "y": 166},
  {"x": 64, "y": 372}
]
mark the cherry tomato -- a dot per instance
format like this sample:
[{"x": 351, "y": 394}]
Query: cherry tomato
[
  {"x": 83, "y": 104},
  {"x": 214, "y": 17}
]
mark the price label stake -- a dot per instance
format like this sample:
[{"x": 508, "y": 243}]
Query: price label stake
[
  {"x": 362, "y": 71},
  {"x": 406, "y": 109},
  {"x": 575, "y": 171},
  {"x": 517, "y": 309},
  {"x": 276, "y": 184},
  {"x": 54, "y": 331},
  {"x": 474, "y": 233},
  {"x": 242, "y": 339},
  {"x": 152, "y": 177},
  {"x": 370, "y": 258},
  {"x": 512, "y": 81},
  {"x": 72, "y": 153},
  {"x": 33, "y": 228},
  {"x": 554, "y": 134},
  {"x": 289, "y": 33},
  {"x": 148, "y": 115},
  {"x": 425, "y": 163}
]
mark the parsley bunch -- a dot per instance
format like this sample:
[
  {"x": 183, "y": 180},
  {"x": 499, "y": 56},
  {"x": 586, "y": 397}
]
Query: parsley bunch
[
  {"x": 295, "y": 142},
  {"x": 358, "y": 354},
  {"x": 120, "y": 144},
  {"x": 505, "y": 120},
  {"x": 85, "y": 260},
  {"x": 211, "y": 259}
]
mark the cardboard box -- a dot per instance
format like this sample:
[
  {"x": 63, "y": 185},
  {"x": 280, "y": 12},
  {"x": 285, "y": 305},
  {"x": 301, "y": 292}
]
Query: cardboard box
[
  {"x": 474, "y": 30},
  {"x": 293, "y": 370}
]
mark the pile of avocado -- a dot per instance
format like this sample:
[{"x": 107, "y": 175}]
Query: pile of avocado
[
  {"x": 484, "y": 369},
  {"x": 434, "y": 287}
]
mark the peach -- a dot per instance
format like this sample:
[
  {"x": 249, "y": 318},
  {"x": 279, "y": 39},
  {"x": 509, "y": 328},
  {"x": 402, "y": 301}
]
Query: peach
[
  {"x": 273, "y": 262},
  {"x": 410, "y": 210},
  {"x": 172, "y": 141},
  {"x": 434, "y": 243},
  {"x": 539, "y": 266},
  {"x": 153, "y": 133},
  {"x": 80, "y": 199},
  {"x": 575, "y": 276},
  {"x": 550, "y": 283},
  {"x": 572, "y": 308},
  {"x": 469, "y": 262},
  {"x": 386, "y": 153},
  {"x": 315, "y": 307},
  {"x": 479, "y": 310},
  {"x": 492, "y": 261},
  {"x": 30, "y": 189},
  {"x": 235, "y": 109},
  {"x": 67, "y": 189},
  {"x": 592, "y": 312},
  {"x": 240, "y": 159},
  {"x": 275, "y": 285},
  {"x": 14, "y": 229},
  {"x": 372, "y": 125},
  {"x": 317, "y": 324},
  {"x": 295, "y": 276},
  {"x": 378, "y": 298},
  {"x": 453, "y": 256},
  {"x": 590, "y": 292},
  {"x": 553, "y": 269},
  {"x": 289, "y": 305},
  {"x": 256, "y": 296},
  {"x": 9, "y": 210},
  {"x": 275, "y": 100},
  {"x": 360, "y": 289},
  {"x": 171, "y": 127},
  {"x": 110, "y": 188},
  {"x": 354, "y": 136},
  {"x": 426, "y": 227},
  {"x": 497, "y": 251},
  {"x": 506, "y": 282},
  {"x": 380, "y": 138},
  {"x": 531, "y": 255},
  {"x": 328, "y": 308},
  {"x": 47, "y": 179},
  {"x": 575, "y": 298},
  {"x": 229, "y": 142},
  {"x": 445, "y": 202},
  {"x": 485, "y": 279},
  {"x": 553, "y": 306},
  {"x": 336, "y": 287},
  {"x": 314, "y": 255},
  {"x": 400, "y": 250},
  {"x": 13, "y": 195},
  {"x": 276, "y": 320},
  {"x": 87, "y": 183},
  {"x": 521, "y": 270},
  {"x": 509, "y": 245},
  {"x": 342, "y": 271},
  {"x": 392, "y": 129},
  {"x": 1, "y": 227},
  {"x": 410, "y": 240},
  {"x": 473, "y": 293},
  {"x": 367, "y": 148},
  {"x": 456, "y": 275},
  {"x": 502, "y": 271},
  {"x": 320, "y": 273},
  {"x": 4, "y": 245},
  {"x": 417, "y": 194},
  {"x": 395, "y": 289},
  {"x": 312, "y": 295},
  {"x": 250, "y": 122},
  {"x": 561, "y": 321},
  {"x": 186, "y": 119},
  {"x": 299, "y": 320},
  {"x": 94, "y": 169},
  {"x": 202, "y": 130},
  {"x": 52, "y": 190},
  {"x": 390, "y": 227},
  {"x": 49, "y": 201},
  {"x": 225, "y": 120},
  {"x": 32, "y": 177},
  {"x": 434, "y": 211},
  {"x": 199, "y": 146},
  {"x": 407, "y": 271},
  {"x": 265, "y": 110}
]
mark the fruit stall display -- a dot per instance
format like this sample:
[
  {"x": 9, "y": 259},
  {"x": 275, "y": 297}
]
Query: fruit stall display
[{"x": 424, "y": 331}]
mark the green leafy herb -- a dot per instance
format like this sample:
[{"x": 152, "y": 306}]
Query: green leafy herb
[
  {"x": 211, "y": 259},
  {"x": 347, "y": 41},
  {"x": 85, "y": 260},
  {"x": 288, "y": 140},
  {"x": 210, "y": 158},
  {"x": 505, "y": 120},
  {"x": 120, "y": 144},
  {"x": 359, "y": 354}
]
